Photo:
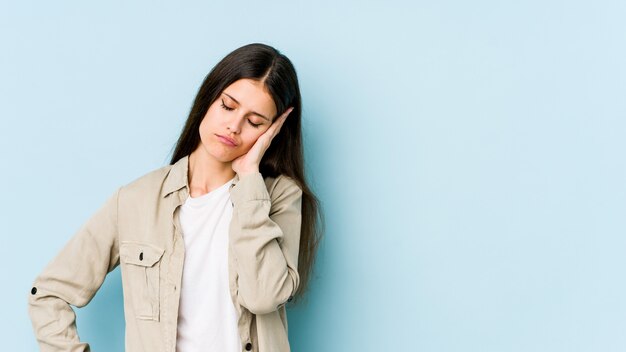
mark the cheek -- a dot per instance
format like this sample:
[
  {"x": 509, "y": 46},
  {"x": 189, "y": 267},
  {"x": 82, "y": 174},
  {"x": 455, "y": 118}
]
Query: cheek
[
  {"x": 208, "y": 122},
  {"x": 204, "y": 128},
  {"x": 250, "y": 138}
]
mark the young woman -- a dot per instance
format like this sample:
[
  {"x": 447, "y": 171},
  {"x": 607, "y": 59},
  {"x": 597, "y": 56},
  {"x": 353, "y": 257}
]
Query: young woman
[{"x": 212, "y": 246}]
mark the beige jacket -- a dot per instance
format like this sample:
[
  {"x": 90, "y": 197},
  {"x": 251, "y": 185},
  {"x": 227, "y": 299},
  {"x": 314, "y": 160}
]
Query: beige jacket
[{"x": 139, "y": 228}]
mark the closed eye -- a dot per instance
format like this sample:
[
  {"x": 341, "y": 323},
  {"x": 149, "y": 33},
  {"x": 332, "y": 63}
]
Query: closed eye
[
  {"x": 255, "y": 125},
  {"x": 226, "y": 107}
]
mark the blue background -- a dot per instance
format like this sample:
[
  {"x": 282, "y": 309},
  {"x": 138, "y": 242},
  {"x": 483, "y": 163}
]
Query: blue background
[{"x": 469, "y": 157}]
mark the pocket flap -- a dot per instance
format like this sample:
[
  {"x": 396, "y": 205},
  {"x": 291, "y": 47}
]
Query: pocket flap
[{"x": 138, "y": 253}]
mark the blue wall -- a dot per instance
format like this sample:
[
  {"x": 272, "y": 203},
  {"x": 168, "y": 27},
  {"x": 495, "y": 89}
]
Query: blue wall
[{"x": 469, "y": 157}]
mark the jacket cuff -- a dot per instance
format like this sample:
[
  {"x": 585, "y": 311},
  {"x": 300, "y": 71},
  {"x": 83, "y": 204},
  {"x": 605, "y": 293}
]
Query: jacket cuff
[{"x": 250, "y": 187}]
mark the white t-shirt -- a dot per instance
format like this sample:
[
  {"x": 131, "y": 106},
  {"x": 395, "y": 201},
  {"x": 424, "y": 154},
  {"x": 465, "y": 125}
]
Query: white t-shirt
[{"x": 207, "y": 319}]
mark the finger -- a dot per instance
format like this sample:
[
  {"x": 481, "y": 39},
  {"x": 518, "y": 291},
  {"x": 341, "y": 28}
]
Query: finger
[
  {"x": 286, "y": 113},
  {"x": 283, "y": 117},
  {"x": 280, "y": 123},
  {"x": 275, "y": 127}
]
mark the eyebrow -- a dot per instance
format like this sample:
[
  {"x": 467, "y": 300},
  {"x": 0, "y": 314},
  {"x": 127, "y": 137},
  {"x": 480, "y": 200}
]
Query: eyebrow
[{"x": 252, "y": 112}]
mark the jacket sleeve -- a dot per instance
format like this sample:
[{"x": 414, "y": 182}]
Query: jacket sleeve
[
  {"x": 265, "y": 240},
  {"x": 72, "y": 278}
]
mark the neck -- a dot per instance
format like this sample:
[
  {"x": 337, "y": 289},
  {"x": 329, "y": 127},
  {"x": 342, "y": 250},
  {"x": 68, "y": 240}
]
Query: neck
[{"x": 206, "y": 174}]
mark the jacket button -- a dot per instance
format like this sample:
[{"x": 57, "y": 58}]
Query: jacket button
[
  {"x": 33, "y": 290},
  {"x": 248, "y": 346},
  {"x": 141, "y": 256}
]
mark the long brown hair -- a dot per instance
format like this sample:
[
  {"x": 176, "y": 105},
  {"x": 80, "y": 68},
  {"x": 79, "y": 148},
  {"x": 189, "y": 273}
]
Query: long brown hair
[{"x": 285, "y": 154}]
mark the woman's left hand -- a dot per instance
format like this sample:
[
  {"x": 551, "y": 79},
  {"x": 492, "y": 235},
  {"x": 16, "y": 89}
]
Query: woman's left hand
[{"x": 249, "y": 162}]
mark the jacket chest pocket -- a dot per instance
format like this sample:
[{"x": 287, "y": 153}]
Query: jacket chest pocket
[{"x": 141, "y": 266}]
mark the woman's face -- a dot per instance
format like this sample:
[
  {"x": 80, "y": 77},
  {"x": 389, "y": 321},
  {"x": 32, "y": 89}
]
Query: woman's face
[{"x": 242, "y": 113}]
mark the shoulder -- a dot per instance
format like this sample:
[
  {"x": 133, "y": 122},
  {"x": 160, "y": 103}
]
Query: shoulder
[{"x": 150, "y": 182}]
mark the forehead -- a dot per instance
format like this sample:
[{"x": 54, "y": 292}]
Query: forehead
[{"x": 252, "y": 95}]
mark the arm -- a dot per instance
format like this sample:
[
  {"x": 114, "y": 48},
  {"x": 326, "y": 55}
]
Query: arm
[
  {"x": 265, "y": 240},
  {"x": 73, "y": 277}
]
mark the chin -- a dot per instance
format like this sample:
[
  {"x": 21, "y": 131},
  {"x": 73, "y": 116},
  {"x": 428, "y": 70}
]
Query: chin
[
  {"x": 217, "y": 152},
  {"x": 223, "y": 157}
]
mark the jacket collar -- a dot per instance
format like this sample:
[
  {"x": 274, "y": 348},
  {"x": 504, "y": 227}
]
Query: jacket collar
[{"x": 178, "y": 178}]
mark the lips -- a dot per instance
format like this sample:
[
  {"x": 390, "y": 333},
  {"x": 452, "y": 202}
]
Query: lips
[{"x": 227, "y": 140}]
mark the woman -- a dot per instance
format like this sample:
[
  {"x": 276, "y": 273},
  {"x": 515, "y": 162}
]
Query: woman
[{"x": 212, "y": 246}]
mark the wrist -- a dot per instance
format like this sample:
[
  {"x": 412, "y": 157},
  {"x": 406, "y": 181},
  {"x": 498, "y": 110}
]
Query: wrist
[{"x": 249, "y": 171}]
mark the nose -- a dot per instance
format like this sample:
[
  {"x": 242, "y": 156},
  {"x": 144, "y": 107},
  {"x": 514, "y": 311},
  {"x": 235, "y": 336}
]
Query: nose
[{"x": 234, "y": 125}]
